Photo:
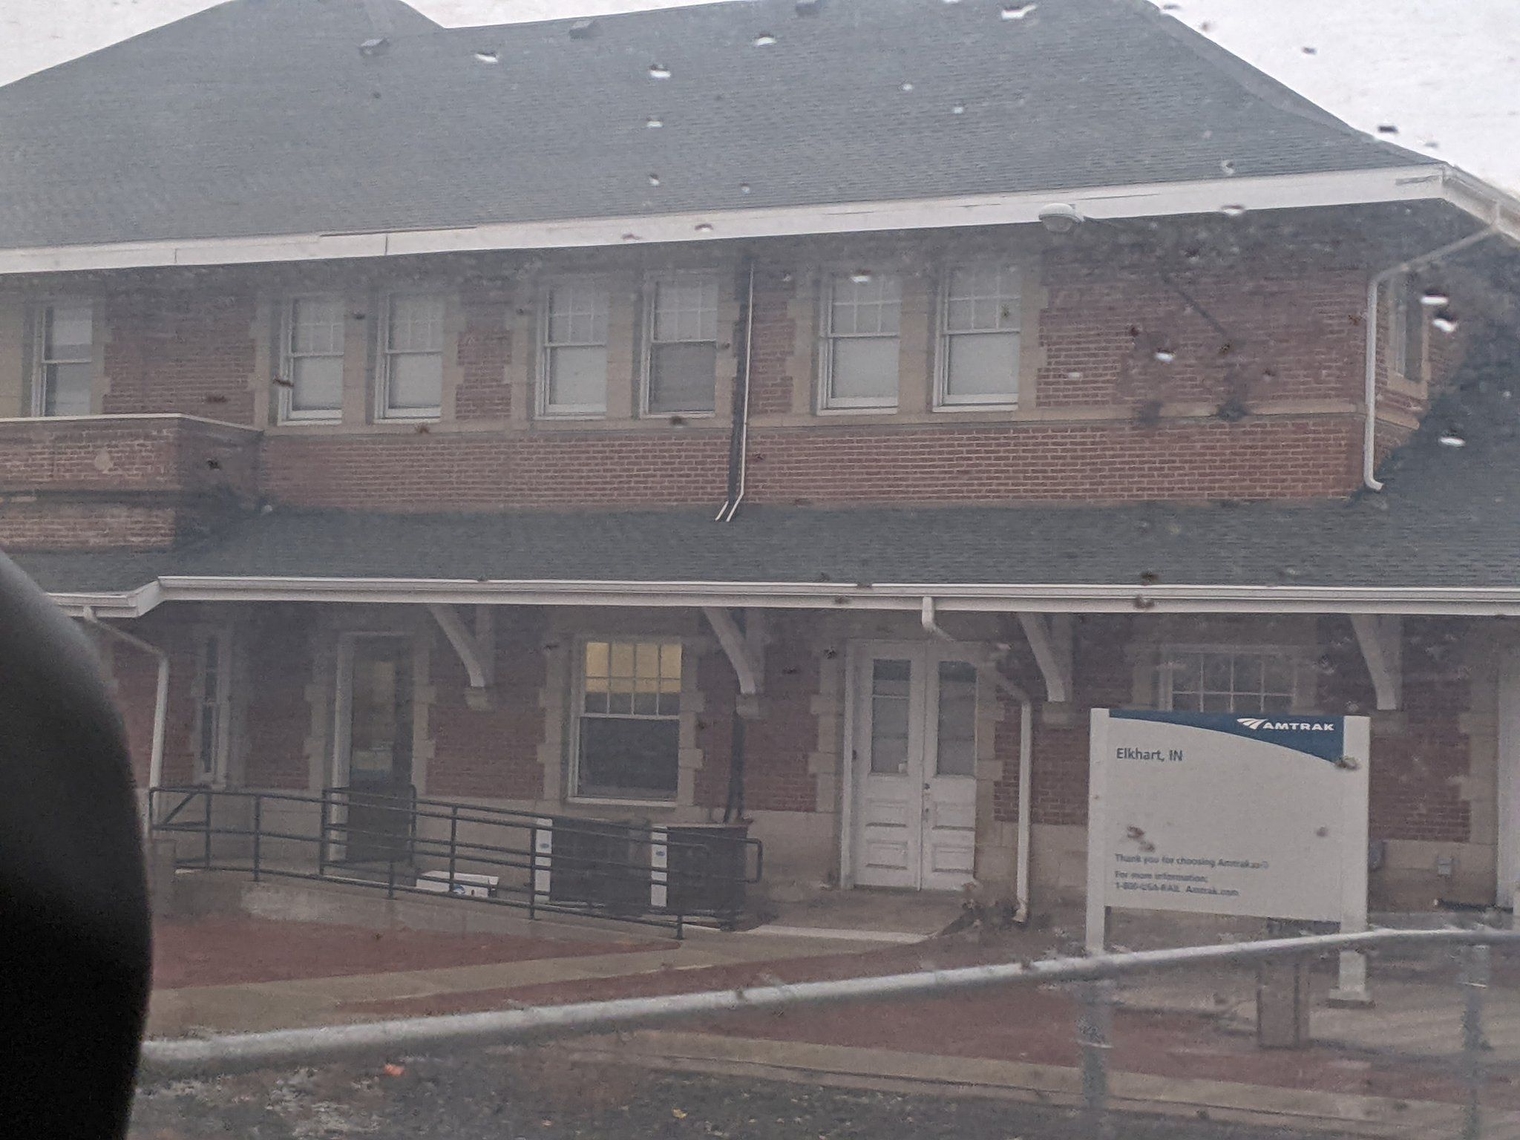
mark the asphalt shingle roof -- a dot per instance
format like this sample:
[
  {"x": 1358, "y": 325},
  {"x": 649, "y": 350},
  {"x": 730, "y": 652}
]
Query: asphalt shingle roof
[
  {"x": 1450, "y": 517},
  {"x": 263, "y": 117}
]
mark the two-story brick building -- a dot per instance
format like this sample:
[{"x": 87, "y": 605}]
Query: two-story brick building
[{"x": 802, "y": 412}]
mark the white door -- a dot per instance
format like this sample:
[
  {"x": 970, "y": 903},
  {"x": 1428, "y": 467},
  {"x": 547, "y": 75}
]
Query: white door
[{"x": 915, "y": 767}]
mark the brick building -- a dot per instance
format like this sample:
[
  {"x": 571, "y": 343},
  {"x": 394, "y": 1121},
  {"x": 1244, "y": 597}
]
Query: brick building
[{"x": 800, "y": 412}]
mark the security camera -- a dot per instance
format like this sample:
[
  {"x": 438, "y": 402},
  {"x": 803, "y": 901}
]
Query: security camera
[{"x": 1060, "y": 217}]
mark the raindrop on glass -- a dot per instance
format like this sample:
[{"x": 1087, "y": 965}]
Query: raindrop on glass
[
  {"x": 907, "y": 87},
  {"x": 1444, "y": 324},
  {"x": 704, "y": 227},
  {"x": 654, "y": 180},
  {"x": 1232, "y": 211},
  {"x": 488, "y": 55},
  {"x": 958, "y": 109},
  {"x": 861, "y": 277},
  {"x": 764, "y": 39},
  {"x": 1017, "y": 11},
  {"x": 1387, "y": 129},
  {"x": 653, "y": 122},
  {"x": 1311, "y": 51},
  {"x": 1228, "y": 166},
  {"x": 1452, "y": 439},
  {"x": 1164, "y": 356},
  {"x": 658, "y": 71},
  {"x": 1434, "y": 300},
  {"x": 744, "y": 187}
]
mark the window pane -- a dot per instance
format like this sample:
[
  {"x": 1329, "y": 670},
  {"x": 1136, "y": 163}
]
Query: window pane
[
  {"x": 316, "y": 325},
  {"x": 670, "y": 661},
  {"x": 983, "y": 299},
  {"x": 416, "y": 381},
  {"x": 983, "y": 364},
  {"x": 1217, "y": 674},
  {"x": 686, "y": 310},
  {"x": 646, "y": 659},
  {"x": 1278, "y": 676},
  {"x": 865, "y": 369},
  {"x": 416, "y": 324},
  {"x": 890, "y": 685},
  {"x": 865, "y": 308},
  {"x": 70, "y": 331},
  {"x": 578, "y": 378},
  {"x": 956, "y": 744},
  {"x": 66, "y": 390},
  {"x": 596, "y": 659},
  {"x": 629, "y": 759},
  {"x": 1248, "y": 673},
  {"x": 682, "y": 377},
  {"x": 317, "y": 383},
  {"x": 578, "y": 315},
  {"x": 622, "y": 659}
]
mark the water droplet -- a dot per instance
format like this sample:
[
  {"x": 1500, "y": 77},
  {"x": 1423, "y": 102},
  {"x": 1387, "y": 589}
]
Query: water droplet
[
  {"x": 1171, "y": 7},
  {"x": 1432, "y": 145},
  {"x": 582, "y": 29},
  {"x": 654, "y": 180},
  {"x": 1452, "y": 439},
  {"x": 1017, "y": 11},
  {"x": 374, "y": 47},
  {"x": 658, "y": 71},
  {"x": 1387, "y": 129},
  {"x": 764, "y": 39},
  {"x": 704, "y": 227},
  {"x": 1232, "y": 211},
  {"x": 488, "y": 55},
  {"x": 950, "y": 1},
  {"x": 958, "y": 109},
  {"x": 1164, "y": 356},
  {"x": 861, "y": 277},
  {"x": 907, "y": 87},
  {"x": 744, "y": 187},
  {"x": 1446, "y": 324},
  {"x": 1311, "y": 51},
  {"x": 1074, "y": 376},
  {"x": 1434, "y": 300},
  {"x": 1228, "y": 166},
  {"x": 632, "y": 237}
]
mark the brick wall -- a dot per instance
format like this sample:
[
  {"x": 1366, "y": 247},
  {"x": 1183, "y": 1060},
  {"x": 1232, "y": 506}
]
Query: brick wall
[
  {"x": 182, "y": 350},
  {"x": 485, "y": 353}
]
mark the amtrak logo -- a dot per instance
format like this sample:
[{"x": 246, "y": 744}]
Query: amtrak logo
[{"x": 1259, "y": 724}]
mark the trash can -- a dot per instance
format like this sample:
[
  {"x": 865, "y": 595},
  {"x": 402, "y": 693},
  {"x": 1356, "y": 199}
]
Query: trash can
[{"x": 709, "y": 868}]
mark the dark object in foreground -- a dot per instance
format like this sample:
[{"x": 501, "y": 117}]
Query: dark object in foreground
[{"x": 74, "y": 928}]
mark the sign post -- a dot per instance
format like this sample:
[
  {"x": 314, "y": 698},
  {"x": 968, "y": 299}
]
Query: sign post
[{"x": 1215, "y": 813}]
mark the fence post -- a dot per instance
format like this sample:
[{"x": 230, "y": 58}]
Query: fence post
[
  {"x": 258, "y": 832},
  {"x": 206, "y": 846},
  {"x": 1094, "y": 1023},
  {"x": 543, "y": 862},
  {"x": 659, "y": 868},
  {"x": 324, "y": 827},
  {"x": 1475, "y": 973}
]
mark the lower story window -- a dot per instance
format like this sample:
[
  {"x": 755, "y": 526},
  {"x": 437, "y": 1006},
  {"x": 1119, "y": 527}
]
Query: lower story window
[
  {"x": 630, "y": 730},
  {"x": 1227, "y": 681}
]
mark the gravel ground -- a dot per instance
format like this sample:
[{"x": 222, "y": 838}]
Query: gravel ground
[{"x": 511, "y": 1095}]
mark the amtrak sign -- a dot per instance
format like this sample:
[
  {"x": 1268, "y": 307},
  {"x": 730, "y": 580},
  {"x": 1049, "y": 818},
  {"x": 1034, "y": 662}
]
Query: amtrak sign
[{"x": 1224, "y": 814}]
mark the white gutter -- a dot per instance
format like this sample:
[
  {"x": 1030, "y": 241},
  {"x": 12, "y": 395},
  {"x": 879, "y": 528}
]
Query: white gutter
[
  {"x": 1026, "y": 750},
  {"x": 1146, "y": 200},
  {"x": 1370, "y": 323},
  {"x": 160, "y": 705}
]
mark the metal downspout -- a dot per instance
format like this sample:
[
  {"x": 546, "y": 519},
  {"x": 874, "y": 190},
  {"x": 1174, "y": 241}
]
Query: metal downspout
[
  {"x": 1370, "y": 322},
  {"x": 160, "y": 705},
  {"x": 1026, "y": 755},
  {"x": 738, "y": 461}
]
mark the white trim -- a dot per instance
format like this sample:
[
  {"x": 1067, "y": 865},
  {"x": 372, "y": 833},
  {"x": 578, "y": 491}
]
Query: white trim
[
  {"x": 107, "y": 417},
  {"x": 1380, "y": 638},
  {"x": 1141, "y": 200}
]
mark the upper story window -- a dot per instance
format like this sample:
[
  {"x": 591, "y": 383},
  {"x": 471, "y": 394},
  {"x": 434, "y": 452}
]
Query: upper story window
[
  {"x": 682, "y": 329},
  {"x": 64, "y": 381},
  {"x": 312, "y": 365},
  {"x": 411, "y": 365},
  {"x": 862, "y": 314},
  {"x": 1251, "y": 681},
  {"x": 979, "y": 337},
  {"x": 573, "y": 350},
  {"x": 629, "y": 731}
]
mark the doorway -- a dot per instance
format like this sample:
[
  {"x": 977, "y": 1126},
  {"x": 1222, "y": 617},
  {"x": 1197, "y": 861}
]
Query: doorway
[
  {"x": 374, "y": 760},
  {"x": 913, "y": 753}
]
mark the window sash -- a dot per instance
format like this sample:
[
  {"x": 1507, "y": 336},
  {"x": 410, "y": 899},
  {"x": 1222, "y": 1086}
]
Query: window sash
[
  {"x": 633, "y": 683},
  {"x": 867, "y": 314},
  {"x": 65, "y": 371},
  {"x": 681, "y": 344},
  {"x": 980, "y": 318},
  {"x": 411, "y": 363},
  {"x": 312, "y": 355},
  {"x": 573, "y": 336},
  {"x": 1228, "y": 680}
]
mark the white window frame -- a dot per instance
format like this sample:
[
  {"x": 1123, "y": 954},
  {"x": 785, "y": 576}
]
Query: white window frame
[
  {"x": 41, "y": 359},
  {"x": 827, "y": 401},
  {"x": 578, "y": 711},
  {"x": 651, "y": 293},
  {"x": 288, "y": 413},
  {"x": 1293, "y": 656},
  {"x": 943, "y": 399},
  {"x": 384, "y": 354},
  {"x": 546, "y": 410},
  {"x": 206, "y": 638}
]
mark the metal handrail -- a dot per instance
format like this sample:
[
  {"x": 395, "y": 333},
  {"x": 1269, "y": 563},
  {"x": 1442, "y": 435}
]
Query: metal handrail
[{"x": 232, "y": 1053}]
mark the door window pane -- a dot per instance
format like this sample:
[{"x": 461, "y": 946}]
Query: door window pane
[
  {"x": 956, "y": 751},
  {"x": 891, "y": 682}
]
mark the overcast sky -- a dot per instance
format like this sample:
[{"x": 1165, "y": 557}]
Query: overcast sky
[{"x": 1444, "y": 73}]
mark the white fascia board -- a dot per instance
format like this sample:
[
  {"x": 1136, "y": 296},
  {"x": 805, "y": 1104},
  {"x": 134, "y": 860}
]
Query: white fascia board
[
  {"x": 1301, "y": 191},
  {"x": 115, "y": 604},
  {"x": 907, "y": 597}
]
